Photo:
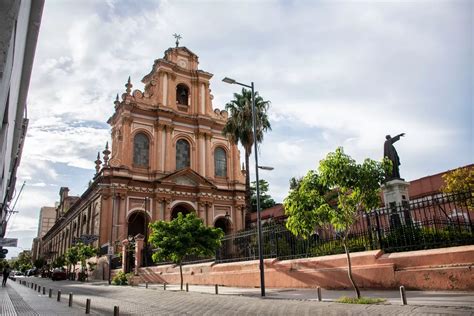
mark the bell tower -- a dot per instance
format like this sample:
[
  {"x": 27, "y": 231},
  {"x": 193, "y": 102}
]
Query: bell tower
[{"x": 168, "y": 138}]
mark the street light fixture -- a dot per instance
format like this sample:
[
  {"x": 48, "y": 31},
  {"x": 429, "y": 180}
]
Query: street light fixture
[
  {"x": 259, "y": 221},
  {"x": 266, "y": 168}
]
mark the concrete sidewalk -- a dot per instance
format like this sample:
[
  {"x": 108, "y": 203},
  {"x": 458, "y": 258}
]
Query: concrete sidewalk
[
  {"x": 422, "y": 298},
  {"x": 17, "y": 299}
]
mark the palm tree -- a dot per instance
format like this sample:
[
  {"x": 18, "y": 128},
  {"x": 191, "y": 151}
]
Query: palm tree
[{"x": 239, "y": 127}]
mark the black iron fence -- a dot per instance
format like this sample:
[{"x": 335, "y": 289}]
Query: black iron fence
[{"x": 431, "y": 222}]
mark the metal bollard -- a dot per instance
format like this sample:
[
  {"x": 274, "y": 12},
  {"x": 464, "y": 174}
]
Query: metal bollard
[
  {"x": 50, "y": 293},
  {"x": 116, "y": 311},
  {"x": 217, "y": 289},
  {"x": 39, "y": 288},
  {"x": 36, "y": 285},
  {"x": 88, "y": 306},
  {"x": 146, "y": 285},
  {"x": 164, "y": 286},
  {"x": 403, "y": 295},
  {"x": 70, "y": 299},
  {"x": 187, "y": 287},
  {"x": 59, "y": 296},
  {"x": 319, "y": 294},
  {"x": 31, "y": 285},
  {"x": 44, "y": 290}
]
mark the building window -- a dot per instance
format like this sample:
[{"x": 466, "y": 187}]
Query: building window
[
  {"x": 182, "y": 94},
  {"x": 141, "y": 148},
  {"x": 220, "y": 162},
  {"x": 182, "y": 154}
]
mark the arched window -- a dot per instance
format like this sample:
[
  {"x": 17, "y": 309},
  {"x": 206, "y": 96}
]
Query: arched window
[
  {"x": 182, "y": 154},
  {"x": 182, "y": 93},
  {"x": 141, "y": 148},
  {"x": 220, "y": 162}
]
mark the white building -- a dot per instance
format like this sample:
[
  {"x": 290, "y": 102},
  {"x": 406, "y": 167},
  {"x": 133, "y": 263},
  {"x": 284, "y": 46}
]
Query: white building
[{"x": 19, "y": 26}]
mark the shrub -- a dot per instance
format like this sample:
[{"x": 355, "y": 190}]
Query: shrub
[{"x": 122, "y": 278}]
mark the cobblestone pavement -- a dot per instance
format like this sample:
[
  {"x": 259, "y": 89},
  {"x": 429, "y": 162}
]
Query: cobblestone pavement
[
  {"x": 20, "y": 300},
  {"x": 141, "y": 301}
]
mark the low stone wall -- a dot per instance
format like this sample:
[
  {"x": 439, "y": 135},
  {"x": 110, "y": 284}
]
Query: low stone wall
[{"x": 436, "y": 269}]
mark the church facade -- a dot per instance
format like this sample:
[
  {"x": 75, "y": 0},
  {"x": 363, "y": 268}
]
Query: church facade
[{"x": 168, "y": 155}]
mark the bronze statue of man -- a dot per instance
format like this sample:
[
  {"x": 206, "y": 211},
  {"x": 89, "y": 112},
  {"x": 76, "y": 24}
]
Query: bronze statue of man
[{"x": 390, "y": 152}]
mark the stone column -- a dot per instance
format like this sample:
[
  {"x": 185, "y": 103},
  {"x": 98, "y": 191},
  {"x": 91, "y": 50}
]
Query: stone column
[
  {"x": 139, "y": 243},
  {"x": 125, "y": 244}
]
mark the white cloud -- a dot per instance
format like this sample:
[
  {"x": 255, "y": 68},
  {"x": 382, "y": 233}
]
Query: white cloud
[{"x": 343, "y": 73}]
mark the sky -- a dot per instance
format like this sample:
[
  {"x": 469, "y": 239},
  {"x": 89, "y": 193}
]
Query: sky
[{"x": 337, "y": 73}]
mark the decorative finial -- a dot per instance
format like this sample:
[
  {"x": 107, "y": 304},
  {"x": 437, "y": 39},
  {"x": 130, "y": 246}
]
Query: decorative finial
[
  {"x": 97, "y": 164},
  {"x": 106, "y": 153},
  {"x": 117, "y": 102},
  {"x": 178, "y": 37},
  {"x": 128, "y": 85}
]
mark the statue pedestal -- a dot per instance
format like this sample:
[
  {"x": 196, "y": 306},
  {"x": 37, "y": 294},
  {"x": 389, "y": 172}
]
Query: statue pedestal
[
  {"x": 395, "y": 196},
  {"x": 395, "y": 192}
]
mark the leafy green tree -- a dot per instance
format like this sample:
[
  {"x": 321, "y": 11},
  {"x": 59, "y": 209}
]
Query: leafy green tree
[
  {"x": 352, "y": 188},
  {"x": 181, "y": 237},
  {"x": 39, "y": 263},
  {"x": 85, "y": 252},
  {"x": 239, "y": 127},
  {"x": 72, "y": 257},
  {"x": 59, "y": 262},
  {"x": 458, "y": 181},
  {"x": 266, "y": 200},
  {"x": 23, "y": 262},
  {"x": 303, "y": 205}
]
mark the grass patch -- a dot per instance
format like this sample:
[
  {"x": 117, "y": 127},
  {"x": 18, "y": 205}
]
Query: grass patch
[{"x": 362, "y": 300}]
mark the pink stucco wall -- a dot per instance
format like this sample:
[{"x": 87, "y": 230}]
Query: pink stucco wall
[{"x": 437, "y": 269}]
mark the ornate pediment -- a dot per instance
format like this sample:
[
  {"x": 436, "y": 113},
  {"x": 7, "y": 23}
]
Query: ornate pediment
[{"x": 187, "y": 177}]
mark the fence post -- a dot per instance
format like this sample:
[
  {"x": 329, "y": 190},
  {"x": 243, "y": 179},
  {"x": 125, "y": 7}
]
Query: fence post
[
  {"x": 403, "y": 295},
  {"x": 369, "y": 230},
  {"x": 319, "y": 294},
  {"x": 379, "y": 237},
  {"x": 70, "y": 299},
  {"x": 88, "y": 306}
]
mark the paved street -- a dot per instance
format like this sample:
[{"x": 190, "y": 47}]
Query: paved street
[{"x": 156, "y": 301}]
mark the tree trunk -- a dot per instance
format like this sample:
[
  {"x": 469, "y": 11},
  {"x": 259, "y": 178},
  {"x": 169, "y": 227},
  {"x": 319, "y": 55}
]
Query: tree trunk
[
  {"x": 247, "y": 186},
  {"x": 181, "y": 274},
  {"x": 349, "y": 268}
]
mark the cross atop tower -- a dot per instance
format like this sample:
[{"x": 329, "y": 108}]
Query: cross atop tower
[{"x": 178, "y": 37}]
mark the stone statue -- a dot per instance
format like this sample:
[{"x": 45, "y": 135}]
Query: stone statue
[{"x": 390, "y": 152}]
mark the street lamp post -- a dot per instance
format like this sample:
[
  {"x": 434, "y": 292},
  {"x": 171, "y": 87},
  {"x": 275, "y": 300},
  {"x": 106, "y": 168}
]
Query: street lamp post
[{"x": 259, "y": 222}]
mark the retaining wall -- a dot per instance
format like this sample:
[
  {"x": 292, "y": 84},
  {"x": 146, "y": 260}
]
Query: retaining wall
[{"x": 436, "y": 269}]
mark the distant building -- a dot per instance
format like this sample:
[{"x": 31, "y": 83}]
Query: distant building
[
  {"x": 168, "y": 156},
  {"x": 19, "y": 26},
  {"x": 46, "y": 220}
]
